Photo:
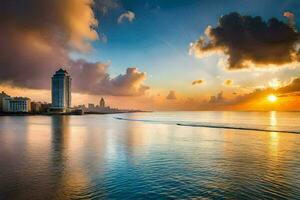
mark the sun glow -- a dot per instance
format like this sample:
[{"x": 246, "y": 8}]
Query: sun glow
[
  {"x": 272, "y": 98},
  {"x": 274, "y": 83}
]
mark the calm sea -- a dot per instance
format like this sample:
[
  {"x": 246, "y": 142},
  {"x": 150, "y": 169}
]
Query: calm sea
[{"x": 159, "y": 155}]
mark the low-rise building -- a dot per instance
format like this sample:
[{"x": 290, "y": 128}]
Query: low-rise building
[
  {"x": 91, "y": 106},
  {"x": 6, "y": 103},
  {"x": 45, "y": 107},
  {"x": 36, "y": 107},
  {"x": 16, "y": 104}
]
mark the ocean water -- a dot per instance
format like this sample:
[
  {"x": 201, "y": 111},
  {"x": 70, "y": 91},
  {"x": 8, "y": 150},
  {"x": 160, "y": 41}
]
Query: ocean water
[{"x": 159, "y": 155}]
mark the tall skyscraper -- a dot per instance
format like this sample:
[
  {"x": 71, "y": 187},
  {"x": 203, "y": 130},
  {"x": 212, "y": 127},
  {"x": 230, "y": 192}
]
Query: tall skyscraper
[{"x": 61, "y": 91}]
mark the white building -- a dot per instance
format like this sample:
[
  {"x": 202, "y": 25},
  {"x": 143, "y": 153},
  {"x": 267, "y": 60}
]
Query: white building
[
  {"x": 61, "y": 91},
  {"x": 16, "y": 104},
  {"x": 2, "y": 96}
]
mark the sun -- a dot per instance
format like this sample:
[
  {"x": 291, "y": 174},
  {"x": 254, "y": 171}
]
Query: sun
[{"x": 272, "y": 98}]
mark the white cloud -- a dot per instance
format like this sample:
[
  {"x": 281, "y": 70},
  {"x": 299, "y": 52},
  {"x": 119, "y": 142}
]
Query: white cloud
[{"x": 130, "y": 16}]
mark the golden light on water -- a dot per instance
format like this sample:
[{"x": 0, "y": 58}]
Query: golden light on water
[
  {"x": 272, "y": 98},
  {"x": 273, "y": 118}
]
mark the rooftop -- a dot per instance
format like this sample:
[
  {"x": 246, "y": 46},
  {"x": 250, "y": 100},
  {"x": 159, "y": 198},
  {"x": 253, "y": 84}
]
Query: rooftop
[{"x": 61, "y": 71}]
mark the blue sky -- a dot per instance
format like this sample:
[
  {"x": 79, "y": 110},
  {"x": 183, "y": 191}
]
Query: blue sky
[{"x": 157, "y": 40}]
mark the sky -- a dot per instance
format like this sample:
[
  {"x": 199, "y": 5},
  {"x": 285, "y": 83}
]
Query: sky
[{"x": 155, "y": 54}]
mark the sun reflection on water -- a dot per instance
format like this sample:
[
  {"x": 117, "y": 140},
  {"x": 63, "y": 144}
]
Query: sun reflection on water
[{"x": 273, "y": 118}]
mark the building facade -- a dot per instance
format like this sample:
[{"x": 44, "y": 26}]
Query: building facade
[
  {"x": 61, "y": 91},
  {"x": 16, "y": 104},
  {"x": 91, "y": 106},
  {"x": 102, "y": 103},
  {"x": 2, "y": 96},
  {"x": 36, "y": 107}
]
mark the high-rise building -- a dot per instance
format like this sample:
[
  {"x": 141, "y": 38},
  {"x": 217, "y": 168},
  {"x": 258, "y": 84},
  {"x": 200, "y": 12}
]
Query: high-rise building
[
  {"x": 102, "y": 103},
  {"x": 61, "y": 91}
]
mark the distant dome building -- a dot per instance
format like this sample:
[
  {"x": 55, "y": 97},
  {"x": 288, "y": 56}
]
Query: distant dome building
[{"x": 102, "y": 103}]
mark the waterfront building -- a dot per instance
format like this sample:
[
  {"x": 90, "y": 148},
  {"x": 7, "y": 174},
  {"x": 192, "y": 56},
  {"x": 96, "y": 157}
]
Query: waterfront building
[
  {"x": 91, "y": 106},
  {"x": 2, "y": 96},
  {"x": 45, "y": 107},
  {"x": 6, "y": 103},
  {"x": 61, "y": 91},
  {"x": 102, "y": 103},
  {"x": 40, "y": 107},
  {"x": 16, "y": 104},
  {"x": 36, "y": 107}
]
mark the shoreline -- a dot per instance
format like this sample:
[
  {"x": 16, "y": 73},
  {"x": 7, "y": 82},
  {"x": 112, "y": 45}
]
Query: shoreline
[
  {"x": 53, "y": 114},
  {"x": 2, "y": 114}
]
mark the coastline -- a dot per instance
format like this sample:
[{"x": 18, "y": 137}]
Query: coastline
[{"x": 52, "y": 114}]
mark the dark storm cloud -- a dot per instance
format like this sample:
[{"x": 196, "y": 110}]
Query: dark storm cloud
[
  {"x": 37, "y": 37},
  {"x": 250, "y": 40}
]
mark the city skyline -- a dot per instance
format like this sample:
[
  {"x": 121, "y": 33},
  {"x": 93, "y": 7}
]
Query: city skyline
[
  {"x": 61, "y": 98},
  {"x": 155, "y": 55}
]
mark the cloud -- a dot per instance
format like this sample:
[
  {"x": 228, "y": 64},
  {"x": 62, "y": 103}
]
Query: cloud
[
  {"x": 195, "y": 82},
  {"x": 291, "y": 19},
  {"x": 129, "y": 84},
  {"x": 228, "y": 82},
  {"x": 37, "y": 38},
  {"x": 275, "y": 83},
  {"x": 67, "y": 22},
  {"x": 219, "y": 98},
  {"x": 93, "y": 78},
  {"x": 103, "y": 38},
  {"x": 130, "y": 16},
  {"x": 248, "y": 41},
  {"x": 292, "y": 86},
  {"x": 255, "y": 95},
  {"x": 171, "y": 95},
  {"x": 105, "y": 5}
]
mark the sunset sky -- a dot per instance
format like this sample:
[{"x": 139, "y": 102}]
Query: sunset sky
[{"x": 155, "y": 54}]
